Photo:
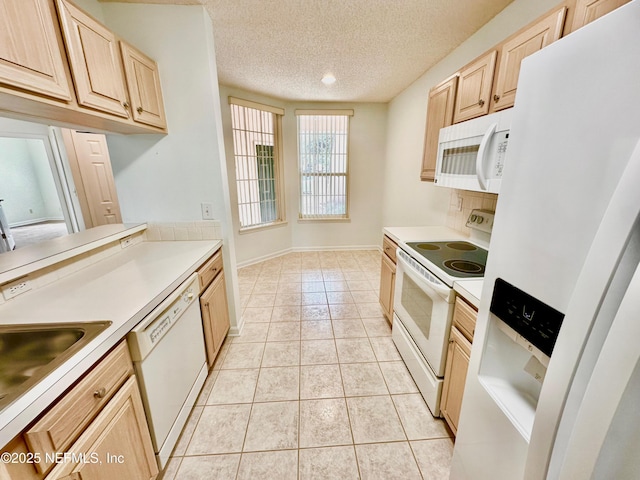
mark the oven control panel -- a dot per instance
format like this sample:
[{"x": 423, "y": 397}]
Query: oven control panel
[{"x": 535, "y": 321}]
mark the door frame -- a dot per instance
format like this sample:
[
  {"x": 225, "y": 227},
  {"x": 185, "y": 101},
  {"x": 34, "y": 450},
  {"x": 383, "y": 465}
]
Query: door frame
[{"x": 10, "y": 128}]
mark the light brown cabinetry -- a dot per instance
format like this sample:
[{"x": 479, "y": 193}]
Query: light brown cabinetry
[
  {"x": 102, "y": 414},
  {"x": 524, "y": 43},
  {"x": 60, "y": 66},
  {"x": 118, "y": 440},
  {"x": 30, "y": 57},
  {"x": 213, "y": 305},
  {"x": 143, "y": 82},
  {"x": 388, "y": 277},
  {"x": 458, "y": 354},
  {"x": 474, "y": 88},
  {"x": 586, "y": 11},
  {"x": 95, "y": 61},
  {"x": 439, "y": 115}
]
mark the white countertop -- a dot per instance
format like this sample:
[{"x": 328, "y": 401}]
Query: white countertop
[
  {"x": 123, "y": 288},
  {"x": 34, "y": 257},
  {"x": 470, "y": 290},
  {"x": 426, "y": 234}
]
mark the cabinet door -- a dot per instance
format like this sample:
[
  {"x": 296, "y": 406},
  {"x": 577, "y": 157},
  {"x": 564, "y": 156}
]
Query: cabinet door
[
  {"x": 95, "y": 61},
  {"x": 588, "y": 10},
  {"x": 215, "y": 316},
  {"x": 116, "y": 445},
  {"x": 474, "y": 88},
  {"x": 30, "y": 56},
  {"x": 439, "y": 114},
  {"x": 455, "y": 376},
  {"x": 387, "y": 284},
  {"x": 143, "y": 82},
  {"x": 523, "y": 44}
]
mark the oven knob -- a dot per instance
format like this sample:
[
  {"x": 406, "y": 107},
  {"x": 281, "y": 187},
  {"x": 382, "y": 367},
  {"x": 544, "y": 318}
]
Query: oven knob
[
  {"x": 473, "y": 218},
  {"x": 480, "y": 220}
]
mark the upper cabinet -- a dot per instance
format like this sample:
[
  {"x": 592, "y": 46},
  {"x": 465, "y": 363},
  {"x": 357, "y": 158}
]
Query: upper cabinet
[
  {"x": 474, "y": 88},
  {"x": 30, "y": 57},
  {"x": 439, "y": 114},
  {"x": 143, "y": 82},
  {"x": 514, "y": 50},
  {"x": 95, "y": 61},
  {"x": 587, "y": 11},
  {"x": 60, "y": 66}
]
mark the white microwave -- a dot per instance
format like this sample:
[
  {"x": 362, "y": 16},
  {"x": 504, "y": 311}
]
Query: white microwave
[{"x": 471, "y": 154}]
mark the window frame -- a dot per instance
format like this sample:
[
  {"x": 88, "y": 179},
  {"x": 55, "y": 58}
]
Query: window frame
[
  {"x": 342, "y": 217},
  {"x": 278, "y": 164}
]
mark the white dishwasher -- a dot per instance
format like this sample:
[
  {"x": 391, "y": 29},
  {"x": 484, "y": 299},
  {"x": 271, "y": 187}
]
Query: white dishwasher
[{"x": 168, "y": 353}]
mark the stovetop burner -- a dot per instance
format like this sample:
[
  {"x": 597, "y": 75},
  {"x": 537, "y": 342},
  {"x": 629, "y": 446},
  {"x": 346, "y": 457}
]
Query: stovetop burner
[
  {"x": 456, "y": 258},
  {"x": 464, "y": 266}
]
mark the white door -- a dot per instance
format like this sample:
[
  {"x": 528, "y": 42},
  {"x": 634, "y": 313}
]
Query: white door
[
  {"x": 587, "y": 409},
  {"x": 91, "y": 166}
]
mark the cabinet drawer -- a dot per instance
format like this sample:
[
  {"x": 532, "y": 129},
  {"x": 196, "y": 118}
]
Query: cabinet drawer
[
  {"x": 464, "y": 317},
  {"x": 389, "y": 248},
  {"x": 210, "y": 270},
  {"x": 62, "y": 425}
]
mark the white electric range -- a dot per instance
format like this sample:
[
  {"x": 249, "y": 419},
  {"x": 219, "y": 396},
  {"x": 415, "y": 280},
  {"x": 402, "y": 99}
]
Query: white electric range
[{"x": 429, "y": 261}]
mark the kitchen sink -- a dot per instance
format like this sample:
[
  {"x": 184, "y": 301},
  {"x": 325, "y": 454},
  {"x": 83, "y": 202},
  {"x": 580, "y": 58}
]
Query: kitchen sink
[{"x": 28, "y": 353}]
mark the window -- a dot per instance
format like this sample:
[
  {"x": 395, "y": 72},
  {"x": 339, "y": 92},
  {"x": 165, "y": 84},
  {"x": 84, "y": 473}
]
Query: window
[
  {"x": 323, "y": 144},
  {"x": 256, "y": 144}
]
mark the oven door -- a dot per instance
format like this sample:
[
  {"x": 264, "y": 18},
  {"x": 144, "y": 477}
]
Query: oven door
[{"x": 424, "y": 305}]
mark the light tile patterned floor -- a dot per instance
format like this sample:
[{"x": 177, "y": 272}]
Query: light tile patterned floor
[{"x": 314, "y": 388}]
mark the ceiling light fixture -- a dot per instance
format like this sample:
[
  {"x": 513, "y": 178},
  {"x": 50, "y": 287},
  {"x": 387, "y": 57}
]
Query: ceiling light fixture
[{"x": 328, "y": 79}]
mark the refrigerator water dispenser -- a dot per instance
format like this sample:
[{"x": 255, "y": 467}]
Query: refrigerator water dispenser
[{"x": 521, "y": 335}]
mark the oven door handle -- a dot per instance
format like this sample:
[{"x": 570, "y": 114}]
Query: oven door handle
[{"x": 432, "y": 283}]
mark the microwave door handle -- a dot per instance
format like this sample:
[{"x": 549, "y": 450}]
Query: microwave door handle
[{"x": 482, "y": 150}]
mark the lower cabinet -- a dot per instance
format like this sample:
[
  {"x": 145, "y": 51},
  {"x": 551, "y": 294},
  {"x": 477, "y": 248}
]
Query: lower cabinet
[
  {"x": 458, "y": 354},
  {"x": 388, "y": 277},
  {"x": 97, "y": 430},
  {"x": 213, "y": 305},
  {"x": 215, "y": 317},
  {"x": 116, "y": 445}
]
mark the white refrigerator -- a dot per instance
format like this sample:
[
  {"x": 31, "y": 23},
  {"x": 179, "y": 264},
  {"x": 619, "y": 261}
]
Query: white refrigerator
[{"x": 567, "y": 234}]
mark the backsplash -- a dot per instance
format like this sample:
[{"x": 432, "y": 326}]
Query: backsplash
[
  {"x": 456, "y": 218},
  {"x": 180, "y": 231}
]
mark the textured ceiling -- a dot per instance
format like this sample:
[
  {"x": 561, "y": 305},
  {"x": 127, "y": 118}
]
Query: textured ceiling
[{"x": 374, "y": 48}]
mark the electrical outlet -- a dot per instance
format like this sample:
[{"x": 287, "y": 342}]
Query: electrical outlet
[
  {"x": 207, "y": 211},
  {"x": 126, "y": 242},
  {"x": 16, "y": 288}
]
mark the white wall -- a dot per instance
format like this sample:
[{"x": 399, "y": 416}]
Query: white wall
[
  {"x": 366, "y": 166},
  {"x": 407, "y": 200},
  {"x": 26, "y": 182},
  {"x": 165, "y": 178}
]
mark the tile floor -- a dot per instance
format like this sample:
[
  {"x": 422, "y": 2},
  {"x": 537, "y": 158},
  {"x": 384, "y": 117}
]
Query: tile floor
[{"x": 314, "y": 388}]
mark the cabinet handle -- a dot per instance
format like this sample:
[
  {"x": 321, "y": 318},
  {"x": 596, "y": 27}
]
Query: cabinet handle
[
  {"x": 496, "y": 97},
  {"x": 100, "y": 393},
  {"x": 139, "y": 109},
  {"x": 214, "y": 269},
  {"x": 481, "y": 102},
  {"x": 125, "y": 104}
]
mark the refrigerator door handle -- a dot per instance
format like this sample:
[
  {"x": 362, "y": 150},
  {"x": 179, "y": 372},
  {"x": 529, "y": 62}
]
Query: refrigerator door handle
[
  {"x": 606, "y": 391},
  {"x": 480, "y": 159}
]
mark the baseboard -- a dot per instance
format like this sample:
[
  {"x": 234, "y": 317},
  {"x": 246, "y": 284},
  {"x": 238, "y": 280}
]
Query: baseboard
[
  {"x": 280, "y": 253},
  {"x": 34, "y": 221}
]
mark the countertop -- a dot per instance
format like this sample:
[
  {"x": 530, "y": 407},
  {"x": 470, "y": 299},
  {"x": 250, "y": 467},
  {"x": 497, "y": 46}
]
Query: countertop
[
  {"x": 470, "y": 290},
  {"x": 123, "y": 288},
  {"x": 417, "y": 234}
]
